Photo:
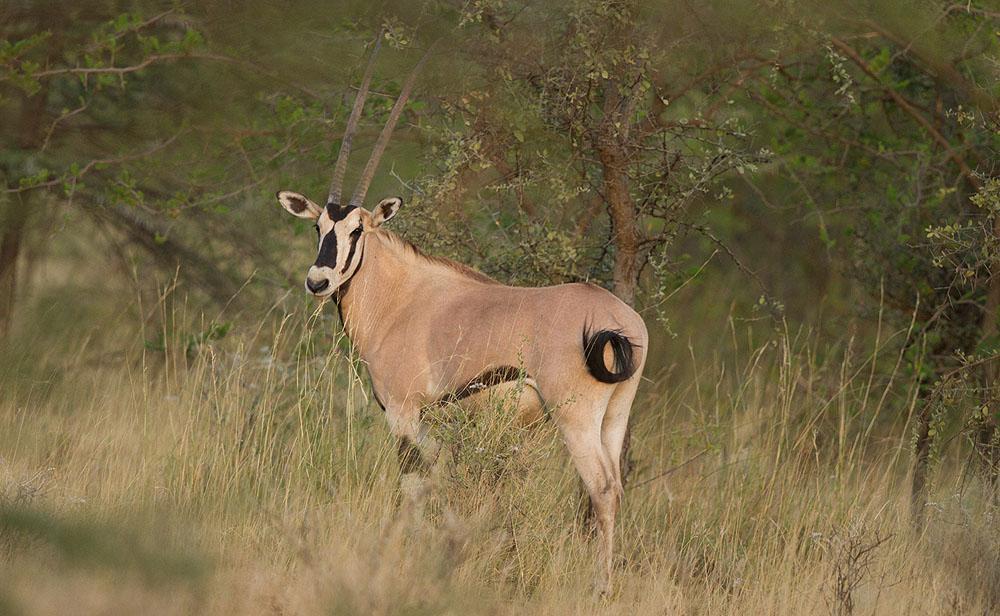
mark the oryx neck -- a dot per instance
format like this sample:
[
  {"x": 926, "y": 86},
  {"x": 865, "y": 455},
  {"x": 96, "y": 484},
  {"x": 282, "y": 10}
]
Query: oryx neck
[
  {"x": 392, "y": 276},
  {"x": 378, "y": 288}
]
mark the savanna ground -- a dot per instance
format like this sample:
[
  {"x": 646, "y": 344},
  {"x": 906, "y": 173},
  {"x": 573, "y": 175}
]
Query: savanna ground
[{"x": 197, "y": 468}]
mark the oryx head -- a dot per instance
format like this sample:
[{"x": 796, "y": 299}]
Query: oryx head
[
  {"x": 340, "y": 231},
  {"x": 341, "y": 227}
]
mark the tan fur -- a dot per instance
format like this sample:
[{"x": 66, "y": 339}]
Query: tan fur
[{"x": 461, "y": 268}]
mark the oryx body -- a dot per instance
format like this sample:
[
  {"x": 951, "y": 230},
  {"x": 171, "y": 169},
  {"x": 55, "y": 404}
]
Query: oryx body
[{"x": 432, "y": 330}]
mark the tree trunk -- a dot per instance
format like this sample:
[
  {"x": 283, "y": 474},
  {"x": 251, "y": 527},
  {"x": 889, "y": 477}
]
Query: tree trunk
[
  {"x": 12, "y": 224},
  {"x": 927, "y": 396},
  {"x": 625, "y": 230},
  {"x": 14, "y": 212},
  {"x": 624, "y": 223},
  {"x": 612, "y": 154}
]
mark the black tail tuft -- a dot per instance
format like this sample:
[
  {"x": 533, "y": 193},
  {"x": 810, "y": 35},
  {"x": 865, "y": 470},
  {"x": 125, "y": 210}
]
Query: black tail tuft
[{"x": 593, "y": 352}]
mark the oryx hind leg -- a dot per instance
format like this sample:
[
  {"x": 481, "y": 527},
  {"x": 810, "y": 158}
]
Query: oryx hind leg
[
  {"x": 615, "y": 423},
  {"x": 580, "y": 423}
]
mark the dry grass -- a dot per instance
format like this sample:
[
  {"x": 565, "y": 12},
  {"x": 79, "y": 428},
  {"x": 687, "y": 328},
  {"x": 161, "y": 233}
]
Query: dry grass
[{"x": 251, "y": 475}]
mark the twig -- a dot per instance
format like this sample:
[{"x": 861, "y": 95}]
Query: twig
[
  {"x": 65, "y": 116},
  {"x": 135, "y": 28},
  {"x": 972, "y": 10},
  {"x": 91, "y": 165},
  {"x": 771, "y": 304},
  {"x": 122, "y": 70},
  {"x": 672, "y": 469},
  {"x": 683, "y": 284}
]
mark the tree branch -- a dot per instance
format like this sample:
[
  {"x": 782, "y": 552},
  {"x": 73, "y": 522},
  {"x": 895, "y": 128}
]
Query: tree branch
[
  {"x": 123, "y": 70},
  {"x": 92, "y": 165},
  {"x": 909, "y": 107}
]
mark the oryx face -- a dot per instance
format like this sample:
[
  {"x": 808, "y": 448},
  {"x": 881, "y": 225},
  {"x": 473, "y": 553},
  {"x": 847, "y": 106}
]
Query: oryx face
[{"x": 340, "y": 234}]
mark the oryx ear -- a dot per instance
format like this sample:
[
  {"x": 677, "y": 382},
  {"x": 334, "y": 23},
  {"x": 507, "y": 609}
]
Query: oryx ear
[
  {"x": 299, "y": 205},
  {"x": 385, "y": 210}
]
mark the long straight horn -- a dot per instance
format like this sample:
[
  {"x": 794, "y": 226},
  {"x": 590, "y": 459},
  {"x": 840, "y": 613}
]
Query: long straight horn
[
  {"x": 383, "y": 138},
  {"x": 337, "y": 184}
]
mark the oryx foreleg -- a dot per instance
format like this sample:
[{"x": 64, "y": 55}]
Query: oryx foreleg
[{"x": 417, "y": 449}]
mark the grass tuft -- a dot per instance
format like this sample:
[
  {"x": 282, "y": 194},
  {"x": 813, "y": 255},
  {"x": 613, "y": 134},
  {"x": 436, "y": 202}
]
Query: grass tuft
[{"x": 250, "y": 472}]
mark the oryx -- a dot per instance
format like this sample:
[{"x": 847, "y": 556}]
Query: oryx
[{"x": 433, "y": 330}]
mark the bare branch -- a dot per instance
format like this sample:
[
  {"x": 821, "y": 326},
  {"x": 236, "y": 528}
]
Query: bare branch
[
  {"x": 94, "y": 164},
  {"x": 124, "y": 70},
  {"x": 65, "y": 116}
]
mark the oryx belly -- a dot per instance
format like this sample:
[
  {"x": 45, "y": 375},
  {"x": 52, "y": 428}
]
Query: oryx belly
[{"x": 507, "y": 388}]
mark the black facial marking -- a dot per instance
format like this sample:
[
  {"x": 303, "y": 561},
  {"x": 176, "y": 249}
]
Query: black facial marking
[
  {"x": 490, "y": 378},
  {"x": 341, "y": 293},
  {"x": 355, "y": 236},
  {"x": 327, "y": 256},
  {"x": 336, "y": 212}
]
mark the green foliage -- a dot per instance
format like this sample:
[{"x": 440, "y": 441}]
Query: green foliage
[
  {"x": 546, "y": 109},
  {"x": 15, "y": 68},
  {"x": 970, "y": 245}
]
